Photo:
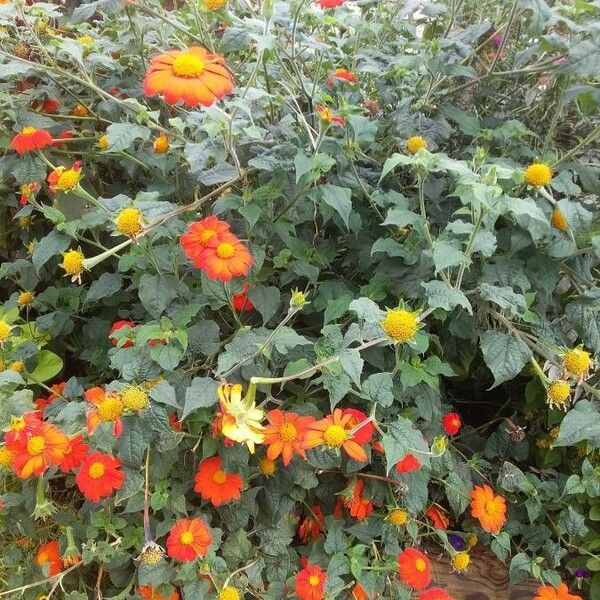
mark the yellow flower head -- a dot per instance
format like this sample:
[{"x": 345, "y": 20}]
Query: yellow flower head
[
  {"x": 103, "y": 142},
  {"x": 25, "y": 222},
  {"x": 298, "y": 299},
  {"x": 110, "y": 409},
  {"x": 397, "y": 517},
  {"x": 229, "y": 593},
  {"x": 415, "y": 143},
  {"x": 130, "y": 221},
  {"x": 6, "y": 457},
  {"x": 401, "y": 325},
  {"x": 267, "y": 467},
  {"x": 5, "y": 330},
  {"x": 25, "y": 298},
  {"x": 151, "y": 554},
  {"x": 17, "y": 366},
  {"x": 30, "y": 248},
  {"x": 85, "y": 40},
  {"x": 134, "y": 398},
  {"x": 577, "y": 361},
  {"x": 559, "y": 393},
  {"x": 73, "y": 263},
  {"x": 558, "y": 220},
  {"x": 80, "y": 111},
  {"x": 538, "y": 175},
  {"x": 472, "y": 540},
  {"x": 240, "y": 418},
  {"x": 460, "y": 561},
  {"x": 161, "y": 144}
]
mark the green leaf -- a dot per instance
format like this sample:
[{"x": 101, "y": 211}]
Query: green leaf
[
  {"x": 201, "y": 394},
  {"x": 336, "y": 197},
  {"x": 402, "y": 437},
  {"x": 106, "y": 285},
  {"x": 52, "y": 244},
  {"x": 48, "y": 366},
  {"x": 441, "y": 295},
  {"x": 352, "y": 363},
  {"x": 164, "y": 393},
  {"x": 122, "y": 135},
  {"x": 132, "y": 443},
  {"x": 446, "y": 255},
  {"x": 266, "y": 300},
  {"x": 504, "y": 355},
  {"x": 156, "y": 293},
  {"x": 572, "y": 523},
  {"x": 504, "y": 297},
  {"x": 379, "y": 387},
  {"x": 367, "y": 310},
  {"x": 393, "y": 161},
  {"x": 335, "y": 541},
  {"x": 586, "y": 321},
  {"x": 204, "y": 337},
  {"x": 581, "y": 423},
  {"x": 287, "y": 339}
]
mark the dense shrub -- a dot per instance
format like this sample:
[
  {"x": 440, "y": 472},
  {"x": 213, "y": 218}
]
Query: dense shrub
[{"x": 297, "y": 295}]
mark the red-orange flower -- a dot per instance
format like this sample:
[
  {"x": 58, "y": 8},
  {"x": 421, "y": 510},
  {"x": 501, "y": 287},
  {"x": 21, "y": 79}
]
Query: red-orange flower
[
  {"x": 359, "y": 506},
  {"x": 310, "y": 583},
  {"x": 435, "y": 594},
  {"x": 49, "y": 554},
  {"x": 30, "y": 139},
  {"x": 438, "y": 516},
  {"x": 451, "y": 422},
  {"x": 147, "y": 592},
  {"x": 313, "y": 526},
  {"x": 363, "y": 435},
  {"x": 240, "y": 300},
  {"x": 125, "y": 342},
  {"x": 331, "y": 432},
  {"x": 188, "y": 540},
  {"x": 199, "y": 233},
  {"x": 285, "y": 435},
  {"x": 547, "y": 592},
  {"x": 75, "y": 454},
  {"x": 358, "y": 593},
  {"x": 408, "y": 464},
  {"x": 489, "y": 509},
  {"x": 329, "y": 3},
  {"x": 27, "y": 190},
  {"x": 99, "y": 475},
  {"x": 341, "y": 74},
  {"x": 19, "y": 429},
  {"x": 328, "y": 116},
  {"x": 194, "y": 76},
  {"x": 414, "y": 568},
  {"x": 224, "y": 257},
  {"x": 44, "y": 445},
  {"x": 214, "y": 484}
]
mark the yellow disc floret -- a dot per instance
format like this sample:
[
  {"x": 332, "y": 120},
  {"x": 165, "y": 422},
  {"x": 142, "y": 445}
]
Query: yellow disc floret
[
  {"x": 214, "y": 4},
  {"x": 229, "y": 593},
  {"x": 6, "y": 457},
  {"x": 415, "y": 143},
  {"x": 110, "y": 409},
  {"x": 559, "y": 392},
  {"x": 17, "y": 366},
  {"x": 334, "y": 436},
  {"x": 5, "y": 330},
  {"x": 103, "y": 142},
  {"x": 129, "y": 221},
  {"x": 460, "y": 561},
  {"x": 134, "y": 398},
  {"x": 161, "y": 144},
  {"x": 558, "y": 220},
  {"x": 397, "y": 517},
  {"x": 73, "y": 262},
  {"x": 188, "y": 65},
  {"x": 25, "y": 298},
  {"x": 80, "y": 111},
  {"x": 151, "y": 554},
  {"x": 267, "y": 467},
  {"x": 577, "y": 361},
  {"x": 401, "y": 325},
  {"x": 538, "y": 175},
  {"x": 68, "y": 180}
]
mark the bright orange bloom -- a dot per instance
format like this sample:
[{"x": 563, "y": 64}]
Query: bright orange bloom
[
  {"x": 188, "y": 540},
  {"x": 328, "y": 116},
  {"x": 104, "y": 408},
  {"x": 99, "y": 475},
  {"x": 224, "y": 257},
  {"x": 359, "y": 506},
  {"x": 438, "y": 516},
  {"x": 331, "y": 431},
  {"x": 194, "y": 75},
  {"x": 30, "y": 139},
  {"x": 240, "y": 300},
  {"x": 313, "y": 526},
  {"x": 329, "y": 3},
  {"x": 149, "y": 593},
  {"x": 408, "y": 464},
  {"x": 358, "y": 593},
  {"x": 489, "y": 509},
  {"x": 547, "y": 592},
  {"x": 435, "y": 594},
  {"x": 75, "y": 454},
  {"x": 49, "y": 554},
  {"x": 214, "y": 484},
  {"x": 125, "y": 342},
  {"x": 43, "y": 446},
  {"x": 19, "y": 429},
  {"x": 341, "y": 74},
  {"x": 285, "y": 434},
  {"x": 365, "y": 434},
  {"x": 451, "y": 422},
  {"x": 199, "y": 233},
  {"x": 310, "y": 583},
  {"x": 414, "y": 568}
]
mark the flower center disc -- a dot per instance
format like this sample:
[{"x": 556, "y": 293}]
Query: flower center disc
[
  {"x": 188, "y": 65},
  {"x": 220, "y": 477},
  {"x": 313, "y": 580},
  {"x": 29, "y": 130},
  {"x": 335, "y": 436},
  {"x": 288, "y": 432},
  {"x": 186, "y": 538},
  {"x": 206, "y": 235},
  {"x": 96, "y": 470},
  {"x": 36, "y": 445},
  {"x": 225, "y": 250},
  {"x": 420, "y": 565}
]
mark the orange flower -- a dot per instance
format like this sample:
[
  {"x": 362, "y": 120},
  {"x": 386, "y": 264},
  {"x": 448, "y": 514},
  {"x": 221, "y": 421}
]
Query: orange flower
[
  {"x": 224, "y": 257},
  {"x": 27, "y": 190},
  {"x": 329, "y": 3},
  {"x": 310, "y": 583},
  {"x": 341, "y": 74},
  {"x": 363, "y": 435},
  {"x": 49, "y": 554},
  {"x": 332, "y": 432},
  {"x": 30, "y": 139},
  {"x": 194, "y": 75},
  {"x": 75, "y": 454},
  {"x": 312, "y": 526},
  {"x": 435, "y": 594},
  {"x": 451, "y": 422},
  {"x": 547, "y": 592},
  {"x": 188, "y": 540},
  {"x": 199, "y": 233},
  {"x": 43, "y": 446},
  {"x": 360, "y": 507},
  {"x": 104, "y": 408},
  {"x": 489, "y": 509},
  {"x": 358, "y": 593},
  {"x": 327, "y": 116},
  {"x": 414, "y": 568},
  {"x": 149, "y": 593},
  {"x": 240, "y": 300},
  {"x": 408, "y": 464},
  {"x": 214, "y": 484},
  {"x": 438, "y": 516},
  {"x": 99, "y": 475},
  {"x": 19, "y": 429},
  {"x": 123, "y": 341},
  {"x": 285, "y": 434}
]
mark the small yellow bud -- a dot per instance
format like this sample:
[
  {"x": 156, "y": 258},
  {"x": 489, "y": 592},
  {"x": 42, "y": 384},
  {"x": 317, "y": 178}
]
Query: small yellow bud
[{"x": 415, "y": 143}]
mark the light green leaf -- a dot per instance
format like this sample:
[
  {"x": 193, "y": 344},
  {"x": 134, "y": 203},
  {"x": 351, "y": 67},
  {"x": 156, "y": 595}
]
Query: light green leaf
[
  {"x": 266, "y": 300},
  {"x": 504, "y": 355},
  {"x": 441, "y": 295},
  {"x": 338, "y": 198},
  {"x": 581, "y": 423},
  {"x": 49, "y": 365},
  {"x": 504, "y": 297},
  {"x": 122, "y": 135},
  {"x": 352, "y": 363},
  {"x": 201, "y": 394}
]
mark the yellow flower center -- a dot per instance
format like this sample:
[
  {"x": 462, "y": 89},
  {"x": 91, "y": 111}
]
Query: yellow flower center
[
  {"x": 161, "y": 144},
  {"x": 559, "y": 391},
  {"x": 420, "y": 565},
  {"x": 188, "y": 65},
  {"x": 17, "y": 366},
  {"x": 36, "y": 445},
  {"x": 206, "y": 235},
  {"x": 298, "y": 299},
  {"x": 288, "y": 432},
  {"x": 334, "y": 436},
  {"x": 5, "y": 330},
  {"x": 25, "y": 298},
  {"x": 129, "y": 221},
  {"x": 577, "y": 361},
  {"x": 220, "y": 477},
  {"x": 213, "y": 5},
  {"x": 68, "y": 180},
  {"x": 73, "y": 262},
  {"x": 28, "y": 130},
  {"x": 401, "y": 325},
  {"x": 17, "y": 424},
  {"x": 490, "y": 507},
  {"x": 267, "y": 467},
  {"x": 538, "y": 175},
  {"x": 96, "y": 470},
  {"x": 103, "y": 142},
  {"x": 225, "y": 250},
  {"x": 398, "y": 517},
  {"x": 134, "y": 398},
  {"x": 6, "y": 457},
  {"x": 461, "y": 561},
  {"x": 415, "y": 143},
  {"x": 313, "y": 580},
  {"x": 110, "y": 409},
  {"x": 151, "y": 556},
  {"x": 186, "y": 538},
  {"x": 229, "y": 593},
  {"x": 85, "y": 40}
]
